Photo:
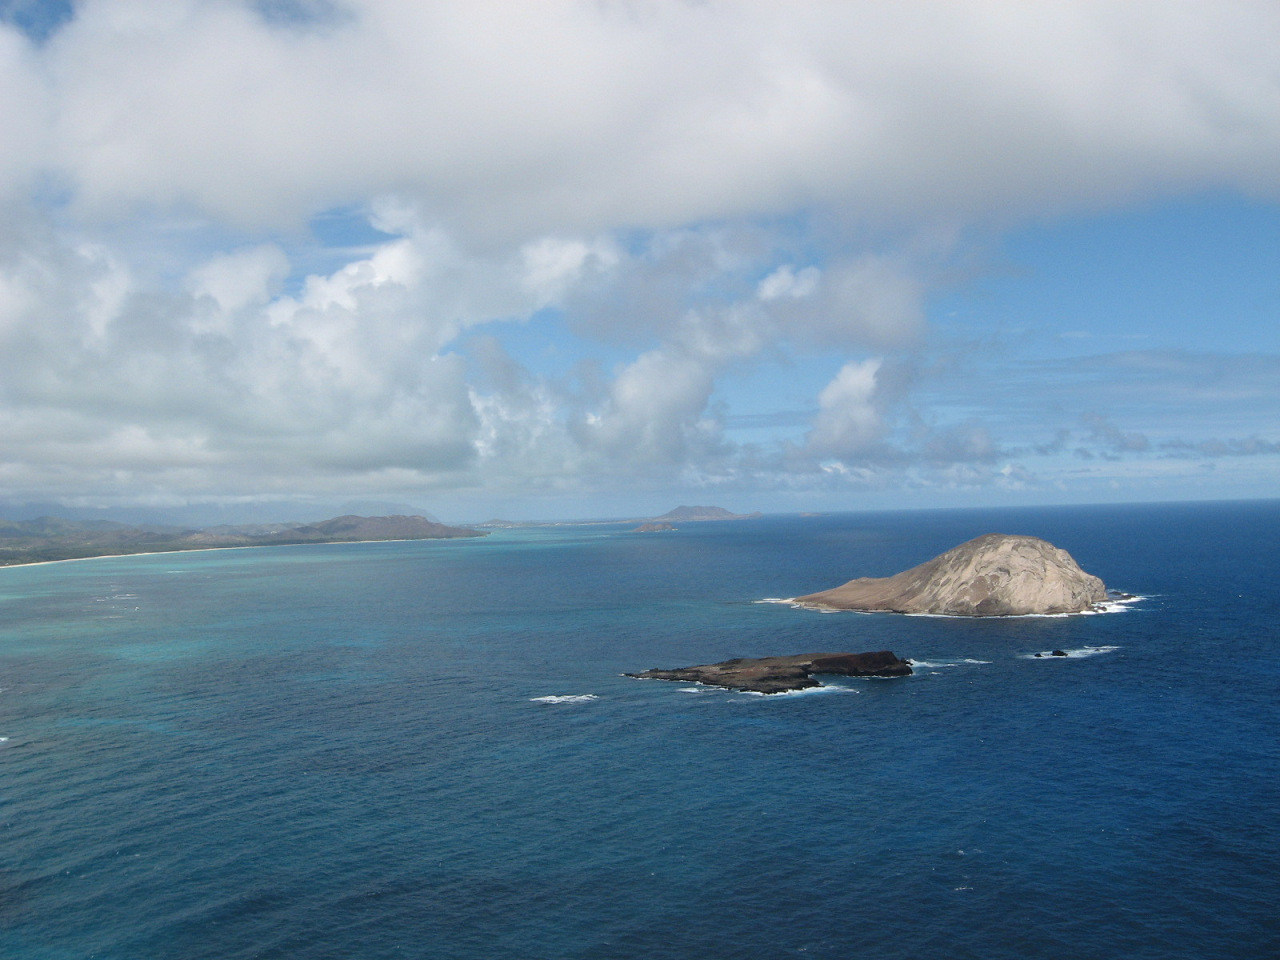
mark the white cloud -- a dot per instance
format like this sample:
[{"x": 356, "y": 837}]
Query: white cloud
[
  {"x": 553, "y": 265},
  {"x": 849, "y": 419},
  {"x": 786, "y": 281},
  {"x": 653, "y": 413},
  {"x": 25, "y": 116},
  {"x": 228, "y": 383},
  {"x": 555, "y": 118},
  {"x": 241, "y": 278},
  {"x": 871, "y": 300},
  {"x": 694, "y": 189}
]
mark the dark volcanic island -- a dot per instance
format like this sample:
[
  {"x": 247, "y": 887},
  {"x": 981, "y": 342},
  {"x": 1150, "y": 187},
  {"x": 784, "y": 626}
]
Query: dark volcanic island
[
  {"x": 781, "y": 674},
  {"x": 995, "y": 575}
]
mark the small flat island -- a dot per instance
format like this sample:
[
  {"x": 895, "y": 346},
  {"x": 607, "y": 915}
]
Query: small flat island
[{"x": 782, "y": 674}]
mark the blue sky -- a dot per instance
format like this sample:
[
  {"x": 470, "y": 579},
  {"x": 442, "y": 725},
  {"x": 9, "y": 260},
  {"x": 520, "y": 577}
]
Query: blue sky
[{"x": 573, "y": 259}]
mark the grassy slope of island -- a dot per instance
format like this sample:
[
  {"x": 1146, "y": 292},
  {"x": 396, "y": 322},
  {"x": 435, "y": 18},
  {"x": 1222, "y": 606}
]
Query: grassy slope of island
[{"x": 49, "y": 538}]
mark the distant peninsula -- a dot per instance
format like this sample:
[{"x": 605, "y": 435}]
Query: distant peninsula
[
  {"x": 996, "y": 575},
  {"x": 683, "y": 514},
  {"x": 49, "y": 538},
  {"x": 783, "y": 674}
]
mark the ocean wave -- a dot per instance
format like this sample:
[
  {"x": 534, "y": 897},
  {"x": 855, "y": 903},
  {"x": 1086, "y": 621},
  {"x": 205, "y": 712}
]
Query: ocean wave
[
  {"x": 566, "y": 698},
  {"x": 709, "y": 688},
  {"x": 1066, "y": 654},
  {"x": 1116, "y": 604},
  {"x": 943, "y": 664},
  {"x": 813, "y": 608},
  {"x": 807, "y": 691}
]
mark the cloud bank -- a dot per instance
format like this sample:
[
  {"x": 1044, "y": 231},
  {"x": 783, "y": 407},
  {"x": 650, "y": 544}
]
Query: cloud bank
[{"x": 572, "y": 234}]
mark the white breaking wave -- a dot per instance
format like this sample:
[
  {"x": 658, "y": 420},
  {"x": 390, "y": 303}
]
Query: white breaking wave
[
  {"x": 807, "y": 691},
  {"x": 941, "y": 664},
  {"x": 1066, "y": 654},
  {"x": 1106, "y": 606},
  {"x": 567, "y": 698},
  {"x": 1116, "y": 605},
  {"x": 711, "y": 688},
  {"x": 796, "y": 604}
]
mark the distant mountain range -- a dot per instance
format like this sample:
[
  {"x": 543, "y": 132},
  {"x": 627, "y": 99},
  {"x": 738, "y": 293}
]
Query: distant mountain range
[{"x": 52, "y": 538}]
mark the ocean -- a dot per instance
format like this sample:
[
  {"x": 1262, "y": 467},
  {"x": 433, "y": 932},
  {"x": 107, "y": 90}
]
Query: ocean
[{"x": 428, "y": 750}]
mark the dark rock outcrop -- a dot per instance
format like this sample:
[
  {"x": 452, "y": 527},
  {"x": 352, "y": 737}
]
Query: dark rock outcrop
[
  {"x": 995, "y": 575},
  {"x": 653, "y": 528},
  {"x": 780, "y": 674}
]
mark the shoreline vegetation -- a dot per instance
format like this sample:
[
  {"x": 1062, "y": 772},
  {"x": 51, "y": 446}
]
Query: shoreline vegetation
[{"x": 51, "y": 540}]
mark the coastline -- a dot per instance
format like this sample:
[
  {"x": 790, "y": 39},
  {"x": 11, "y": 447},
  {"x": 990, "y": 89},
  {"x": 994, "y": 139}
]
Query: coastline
[
  {"x": 242, "y": 546},
  {"x": 1118, "y": 605}
]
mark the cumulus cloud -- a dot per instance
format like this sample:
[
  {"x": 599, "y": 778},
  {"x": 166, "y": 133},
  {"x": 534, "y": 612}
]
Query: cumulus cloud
[
  {"x": 848, "y": 418},
  {"x": 240, "y": 278},
  {"x": 570, "y": 116},
  {"x": 687, "y": 192},
  {"x": 228, "y": 377}
]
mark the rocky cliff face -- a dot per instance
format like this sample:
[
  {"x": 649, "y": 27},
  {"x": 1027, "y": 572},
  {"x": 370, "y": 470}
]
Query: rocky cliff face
[{"x": 995, "y": 575}]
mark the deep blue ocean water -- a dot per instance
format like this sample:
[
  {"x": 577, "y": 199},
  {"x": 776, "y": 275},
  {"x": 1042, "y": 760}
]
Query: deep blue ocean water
[{"x": 341, "y": 751}]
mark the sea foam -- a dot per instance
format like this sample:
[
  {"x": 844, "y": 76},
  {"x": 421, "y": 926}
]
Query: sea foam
[
  {"x": 942, "y": 664},
  {"x": 566, "y": 698},
  {"x": 1076, "y": 652},
  {"x": 806, "y": 692},
  {"x": 1110, "y": 605}
]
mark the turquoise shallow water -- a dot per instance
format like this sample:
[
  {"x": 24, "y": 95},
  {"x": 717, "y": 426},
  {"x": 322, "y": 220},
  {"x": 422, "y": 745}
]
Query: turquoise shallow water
[{"x": 343, "y": 751}]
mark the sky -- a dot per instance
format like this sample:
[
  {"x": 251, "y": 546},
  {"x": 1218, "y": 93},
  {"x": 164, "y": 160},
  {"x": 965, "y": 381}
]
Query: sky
[{"x": 598, "y": 258}]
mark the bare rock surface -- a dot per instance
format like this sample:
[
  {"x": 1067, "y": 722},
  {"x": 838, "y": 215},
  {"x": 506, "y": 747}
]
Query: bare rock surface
[
  {"x": 781, "y": 674},
  {"x": 995, "y": 575}
]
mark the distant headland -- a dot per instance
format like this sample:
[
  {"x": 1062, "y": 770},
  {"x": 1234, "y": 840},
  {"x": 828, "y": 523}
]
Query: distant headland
[
  {"x": 996, "y": 575},
  {"x": 683, "y": 514},
  {"x": 50, "y": 539}
]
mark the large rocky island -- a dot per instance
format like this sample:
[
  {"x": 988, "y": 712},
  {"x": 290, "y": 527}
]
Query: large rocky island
[
  {"x": 996, "y": 575},
  {"x": 782, "y": 674}
]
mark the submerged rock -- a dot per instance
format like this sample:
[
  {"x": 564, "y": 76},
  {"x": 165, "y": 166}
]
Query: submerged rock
[
  {"x": 780, "y": 674},
  {"x": 996, "y": 575}
]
